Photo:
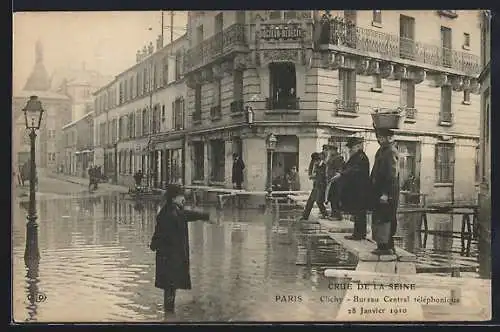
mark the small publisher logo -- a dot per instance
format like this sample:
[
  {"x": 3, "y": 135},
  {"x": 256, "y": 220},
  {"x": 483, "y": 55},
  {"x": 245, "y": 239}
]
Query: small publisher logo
[{"x": 38, "y": 297}]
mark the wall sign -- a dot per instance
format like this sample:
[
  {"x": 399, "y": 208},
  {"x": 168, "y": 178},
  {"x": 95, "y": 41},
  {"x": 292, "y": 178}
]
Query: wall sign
[{"x": 281, "y": 32}]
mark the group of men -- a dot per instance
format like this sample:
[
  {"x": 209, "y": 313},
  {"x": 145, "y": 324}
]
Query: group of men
[
  {"x": 350, "y": 188},
  {"x": 95, "y": 175}
]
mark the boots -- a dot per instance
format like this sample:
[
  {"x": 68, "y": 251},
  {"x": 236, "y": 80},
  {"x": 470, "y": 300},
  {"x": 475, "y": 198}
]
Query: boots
[{"x": 169, "y": 300}]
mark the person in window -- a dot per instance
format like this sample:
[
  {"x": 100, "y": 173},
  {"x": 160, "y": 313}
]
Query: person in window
[
  {"x": 384, "y": 180},
  {"x": 237, "y": 173},
  {"x": 170, "y": 241},
  {"x": 293, "y": 180},
  {"x": 318, "y": 175},
  {"x": 334, "y": 164},
  {"x": 354, "y": 181}
]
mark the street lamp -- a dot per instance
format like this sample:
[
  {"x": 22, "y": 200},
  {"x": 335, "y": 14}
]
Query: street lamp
[
  {"x": 271, "y": 146},
  {"x": 33, "y": 113}
]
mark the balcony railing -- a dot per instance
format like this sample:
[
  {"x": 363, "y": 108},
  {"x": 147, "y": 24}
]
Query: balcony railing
[
  {"x": 448, "y": 13},
  {"x": 215, "y": 112},
  {"x": 237, "y": 106},
  {"x": 283, "y": 103},
  {"x": 343, "y": 33},
  {"x": 215, "y": 46},
  {"x": 350, "y": 106}
]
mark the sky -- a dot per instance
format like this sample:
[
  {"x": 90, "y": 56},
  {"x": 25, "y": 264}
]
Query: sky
[{"x": 104, "y": 41}]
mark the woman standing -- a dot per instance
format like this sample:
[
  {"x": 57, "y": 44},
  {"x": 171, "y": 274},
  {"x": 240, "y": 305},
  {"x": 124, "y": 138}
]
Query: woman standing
[{"x": 170, "y": 241}]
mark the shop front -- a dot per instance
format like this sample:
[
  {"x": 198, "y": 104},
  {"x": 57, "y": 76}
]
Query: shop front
[{"x": 170, "y": 162}]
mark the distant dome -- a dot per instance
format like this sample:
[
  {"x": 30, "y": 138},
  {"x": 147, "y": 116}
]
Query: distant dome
[{"x": 39, "y": 78}]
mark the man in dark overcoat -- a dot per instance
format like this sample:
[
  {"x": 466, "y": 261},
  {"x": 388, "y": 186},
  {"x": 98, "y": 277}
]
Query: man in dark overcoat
[
  {"x": 354, "y": 183},
  {"x": 170, "y": 241},
  {"x": 318, "y": 175},
  {"x": 237, "y": 174},
  {"x": 384, "y": 180}
]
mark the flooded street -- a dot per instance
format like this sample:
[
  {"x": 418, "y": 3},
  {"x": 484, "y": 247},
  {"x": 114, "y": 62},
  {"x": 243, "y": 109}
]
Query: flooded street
[{"x": 250, "y": 265}]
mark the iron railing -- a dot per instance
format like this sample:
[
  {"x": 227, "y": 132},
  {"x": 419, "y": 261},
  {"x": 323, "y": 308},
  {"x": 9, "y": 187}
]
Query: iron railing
[
  {"x": 283, "y": 103},
  {"x": 215, "y": 46},
  {"x": 350, "y": 106},
  {"x": 338, "y": 31}
]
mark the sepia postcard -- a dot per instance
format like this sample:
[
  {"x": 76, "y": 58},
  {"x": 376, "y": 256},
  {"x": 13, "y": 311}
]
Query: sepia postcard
[{"x": 251, "y": 166}]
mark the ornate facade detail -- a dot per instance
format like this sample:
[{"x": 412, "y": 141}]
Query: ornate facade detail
[
  {"x": 387, "y": 71},
  {"x": 337, "y": 61},
  {"x": 441, "y": 80},
  {"x": 240, "y": 62},
  {"x": 401, "y": 73},
  {"x": 218, "y": 73},
  {"x": 277, "y": 55},
  {"x": 457, "y": 83},
  {"x": 419, "y": 75},
  {"x": 362, "y": 66},
  {"x": 227, "y": 67},
  {"x": 374, "y": 68}
]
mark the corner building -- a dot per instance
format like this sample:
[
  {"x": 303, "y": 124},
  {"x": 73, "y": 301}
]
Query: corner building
[
  {"x": 314, "y": 76},
  {"x": 139, "y": 118}
]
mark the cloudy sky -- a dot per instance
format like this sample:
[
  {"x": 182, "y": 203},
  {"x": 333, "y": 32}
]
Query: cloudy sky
[{"x": 104, "y": 41}]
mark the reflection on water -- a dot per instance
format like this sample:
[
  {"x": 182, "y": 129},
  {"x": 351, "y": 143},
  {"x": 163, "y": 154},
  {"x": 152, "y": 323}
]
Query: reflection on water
[{"x": 96, "y": 265}]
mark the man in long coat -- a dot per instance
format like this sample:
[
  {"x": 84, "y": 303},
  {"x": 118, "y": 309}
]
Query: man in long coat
[
  {"x": 237, "y": 174},
  {"x": 317, "y": 174},
  {"x": 354, "y": 183},
  {"x": 170, "y": 241},
  {"x": 384, "y": 180}
]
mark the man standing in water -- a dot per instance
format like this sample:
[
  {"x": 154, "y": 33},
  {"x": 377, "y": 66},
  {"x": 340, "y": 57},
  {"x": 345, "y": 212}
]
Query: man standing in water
[
  {"x": 334, "y": 163},
  {"x": 384, "y": 180},
  {"x": 318, "y": 175}
]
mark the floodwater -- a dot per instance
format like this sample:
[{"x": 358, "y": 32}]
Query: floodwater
[{"x": 249, "y": 265}]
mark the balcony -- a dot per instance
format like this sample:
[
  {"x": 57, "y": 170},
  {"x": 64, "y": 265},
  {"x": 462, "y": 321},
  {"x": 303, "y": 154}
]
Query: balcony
[
  {"x": 448, "y": 13},
  {"x": 345, "y": 34},
  {"x": 410, "y": 115},
  {"x": 215, "y": 113},
  {"x": 283, "y": 103},
  {"x": 347, "y": 108},
  {"x": 237, "y": 107},
  {"x": 215, "y": 46}
]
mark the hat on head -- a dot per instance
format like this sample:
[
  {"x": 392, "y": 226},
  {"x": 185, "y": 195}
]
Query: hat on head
[
  {"x": 351, "y": 141},
  {"x": 173, "y": 190}
]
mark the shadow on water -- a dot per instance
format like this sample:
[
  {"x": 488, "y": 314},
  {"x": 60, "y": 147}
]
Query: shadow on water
[{"x": 96, "y": 265}]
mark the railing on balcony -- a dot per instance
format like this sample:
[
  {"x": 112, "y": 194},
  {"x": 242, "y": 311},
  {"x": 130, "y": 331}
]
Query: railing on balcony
[
  {"x": 215, "y": 112},
  {"x": 214, "y": 46},
  {"x": 451, "y": 13},
  {"x": 343, "y": 33},
  {"x": 283, "y": 103},
  {"x": 237, "y": 106},
  {"x": 350, "y": 106}
]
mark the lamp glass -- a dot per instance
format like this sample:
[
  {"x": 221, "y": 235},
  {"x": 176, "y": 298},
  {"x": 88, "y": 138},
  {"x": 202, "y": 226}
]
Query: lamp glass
[{"x": 33, "y": 113}]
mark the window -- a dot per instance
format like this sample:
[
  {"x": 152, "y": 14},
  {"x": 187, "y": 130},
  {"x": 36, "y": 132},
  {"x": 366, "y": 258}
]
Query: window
[
  {"x": 219, "y": 23},
  {"x": 275, "y": 15},
  {"x": 102, "y": 133},
  {"x": 131, "y": 88},
  {"x": 138, "y": 83},
  {"x": 121, "y": 93},
  {"x": 197, "y": 102},
  {"x": 446, "y": 114},
  {"x": 199, "y": 161},
  {"x": 466, "y": 41},
  {"x": 477, "y": 168},
  {"x": 377, "y": 83},
  {"x": 444, "y": 162},
  {"x": 407, "y": 97},
  {"x": 144, "y": 122},
  {"x": 377, "y": 17},
  {"x": 120, "y": 128},
  {"x": 408, "y": 165},
  {"x": 165, "y": 70},
  {"x": 125, "y": 91},
  {"x": 446, "y": 47},
  {"x": 163, "y": 116},
  {"x": 130, "y": 161},
  {"x": 156, "y": 119},
  {"x": 237, "y": 85},
  {"x": 51, "y": 156},
  {"x": 347, "y": 90},
  {"x": 199, "y": 34},
  {"x": 178, "y": 65},
  {"x": 178, "y": 110},
  {"x": 407, "y": 37},
  {"x": 466, "y": 100},
  {"x": 283, "y": 86},
  {"x": 218, "y": 160},
  {"x": 144, "y": 81}
]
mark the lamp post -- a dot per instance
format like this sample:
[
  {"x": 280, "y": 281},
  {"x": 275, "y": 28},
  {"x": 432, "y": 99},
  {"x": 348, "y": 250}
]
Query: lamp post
[
  {"x": 271, "y": 146},
  {"x": 33, "y": 113}
]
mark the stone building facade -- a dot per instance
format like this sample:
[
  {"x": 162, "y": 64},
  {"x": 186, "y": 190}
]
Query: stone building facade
[
  {"x": 313, "y": 76},
  {"x": 139, "y": 118},
  {"x": 78, "y": 145}
]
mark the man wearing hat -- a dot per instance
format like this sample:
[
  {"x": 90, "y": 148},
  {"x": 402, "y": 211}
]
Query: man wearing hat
[
  {"x": 354, "y": 183},
  {"x": 334, "y": 163},
  {"x": 384, "y": 180}
]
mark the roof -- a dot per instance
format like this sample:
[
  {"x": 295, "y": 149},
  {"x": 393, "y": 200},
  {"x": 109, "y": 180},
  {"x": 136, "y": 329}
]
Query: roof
[
  {"x": 41, "y": 94},
  {"x": 72, "y": 123}
]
